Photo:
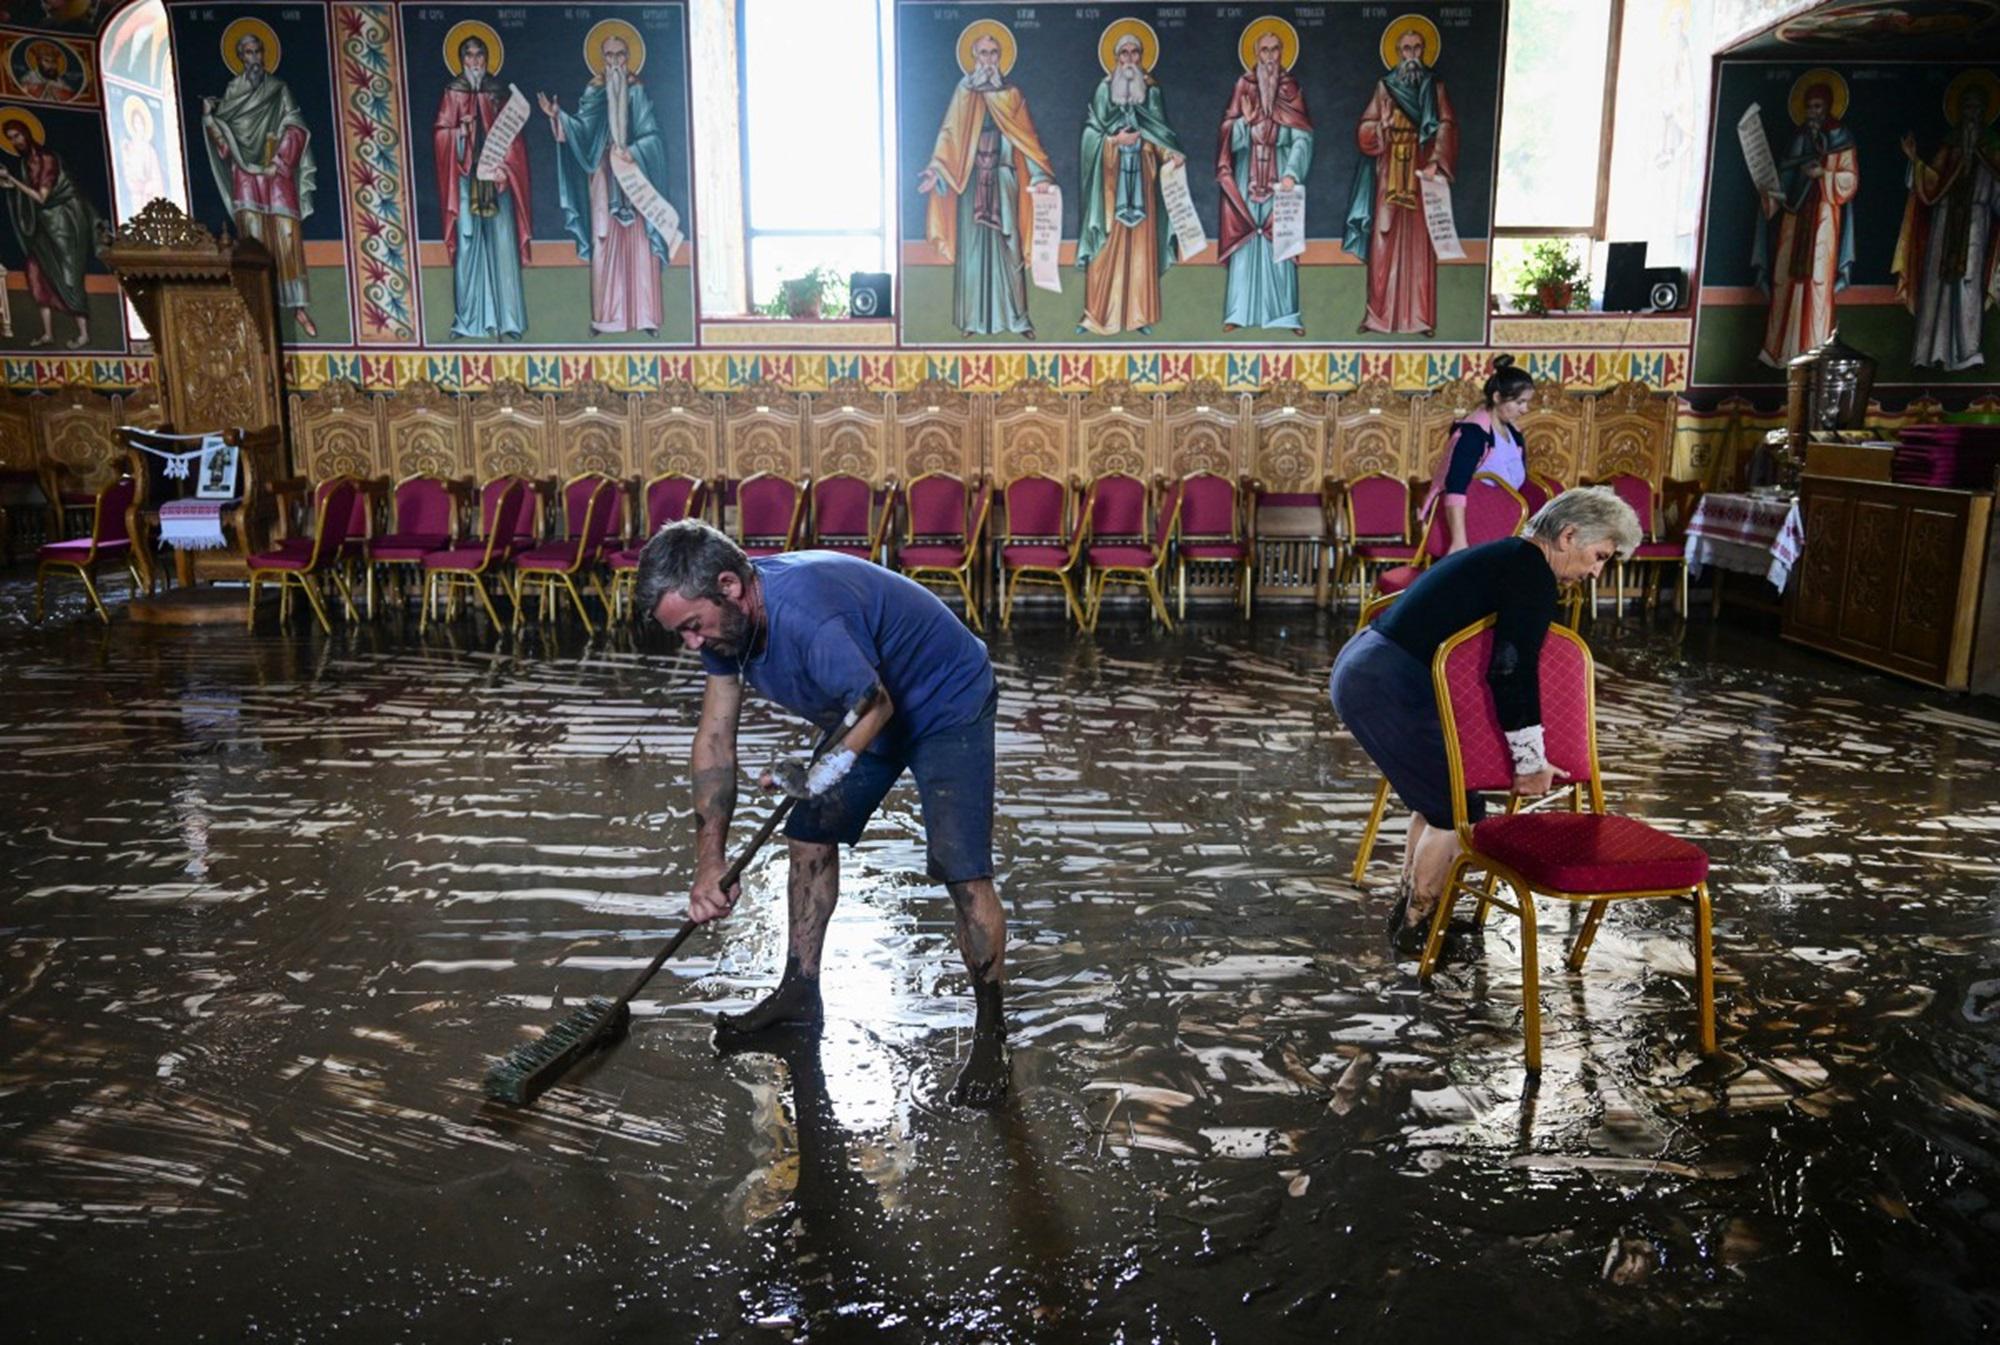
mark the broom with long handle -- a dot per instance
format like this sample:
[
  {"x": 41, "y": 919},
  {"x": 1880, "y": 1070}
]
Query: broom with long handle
[{"x": 528, "y": 1070}]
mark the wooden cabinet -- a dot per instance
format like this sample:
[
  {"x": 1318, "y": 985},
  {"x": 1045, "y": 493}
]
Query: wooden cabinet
[{"x": 1894, "y": 576}]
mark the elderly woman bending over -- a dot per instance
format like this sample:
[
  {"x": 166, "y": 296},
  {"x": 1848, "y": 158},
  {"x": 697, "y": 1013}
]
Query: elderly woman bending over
[{"x": 1382, "y": 681}]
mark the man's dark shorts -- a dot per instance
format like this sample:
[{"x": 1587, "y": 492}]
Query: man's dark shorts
[{"x": 954, "y": 773}]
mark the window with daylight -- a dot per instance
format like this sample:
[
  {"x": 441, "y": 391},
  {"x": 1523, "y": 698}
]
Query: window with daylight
[
  {"x": 816, "y": 117},
  {"x": 142, "y": 106},
  {"x": 1555, "y": 116}
]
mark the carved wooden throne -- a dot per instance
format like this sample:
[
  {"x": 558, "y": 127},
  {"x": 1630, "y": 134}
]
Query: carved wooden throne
[{"x": 210, "y": 305}]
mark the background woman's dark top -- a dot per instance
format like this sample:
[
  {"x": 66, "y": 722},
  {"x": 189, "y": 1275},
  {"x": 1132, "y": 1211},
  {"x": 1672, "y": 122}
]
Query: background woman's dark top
[{"x": 1510, "y": 578}]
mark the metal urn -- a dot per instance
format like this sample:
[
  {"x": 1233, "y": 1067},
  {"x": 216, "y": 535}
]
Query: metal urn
[{"x": 1831, "y": 386}]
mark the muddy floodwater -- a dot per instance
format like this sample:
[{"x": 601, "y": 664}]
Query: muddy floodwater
[{"x": 271, "y": 906}]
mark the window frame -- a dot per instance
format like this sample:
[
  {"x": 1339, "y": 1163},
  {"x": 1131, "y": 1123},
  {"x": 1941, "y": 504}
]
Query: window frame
[
  {"x": 1607, "y": 121},
  {"x": 886, "y": 232}
]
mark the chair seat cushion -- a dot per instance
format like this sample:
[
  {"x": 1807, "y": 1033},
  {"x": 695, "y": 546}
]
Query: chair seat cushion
[
  {"x": 558, "y": 556},
  {"x": 407, "y": 545},
  {"x": 1590, "y": 852},
  {"x": 1397, "y": 579},
  {"x": 763, "y": 548},
  {"x": 1028, "y": 555},
  {"x": 1215, "y": 550},
  {"x": 455, "y": 558},
  {"x": 1132, "y": 557},
  {"x": 628, "y": 559},
  {"x": 930, "y": 555},
  {"x": 845, "y": 548},
  {"x": 1659, "y": 551},
  {"x": 76, "y": 548},
  {"x": 1384, "y": 551},
  {"x": 281, "y": 560}
]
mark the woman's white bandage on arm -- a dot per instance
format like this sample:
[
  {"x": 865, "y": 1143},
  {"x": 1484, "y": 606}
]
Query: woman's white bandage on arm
[
  {"x": 831, "y": 768},
  {"x": 1530, "y": 757}
]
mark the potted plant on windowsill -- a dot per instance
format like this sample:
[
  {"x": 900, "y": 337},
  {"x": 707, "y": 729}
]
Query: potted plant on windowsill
[
  {"x": 1550, "y": 278},
  {"x": 819, "y": 293}
]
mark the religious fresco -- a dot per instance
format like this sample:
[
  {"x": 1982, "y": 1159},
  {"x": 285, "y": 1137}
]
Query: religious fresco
[
  {"x": 64, "y": 16},
  {"x": 59, "y": 297},
  {"x": 550, "y": 148},
  {"x": 1348, "y": 195},
  {"x": 44, "y": 69},
  {"x": 1828, "y": 209},
  {"x": 260, "y": 149}
]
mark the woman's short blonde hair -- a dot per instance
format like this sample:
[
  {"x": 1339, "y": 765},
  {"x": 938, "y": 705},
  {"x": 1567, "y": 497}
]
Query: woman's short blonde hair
[{"x": 1595, "y": 512}]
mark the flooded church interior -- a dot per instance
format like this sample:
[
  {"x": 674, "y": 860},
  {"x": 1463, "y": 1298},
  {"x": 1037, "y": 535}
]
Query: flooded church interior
[{"x": 1173, "y": 672}]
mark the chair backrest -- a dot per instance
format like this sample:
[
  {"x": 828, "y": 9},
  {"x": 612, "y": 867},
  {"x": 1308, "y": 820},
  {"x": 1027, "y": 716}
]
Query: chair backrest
[
  {"x": 1534, "y": 493},
  {"x": 522, "y": 529},
  {"x": 508, "y": 496},
  {"x": 843, "y": 506},
  {"x": 108, "y": 520},
  {"x": 1637, "y": 492},
  {"x": 423, "y": 504},
  {"x": 1378, "y": 508},
  {"x": 1493, "y": 510},
  {"x": 334, "y": 522},
  {"x": 767, "y": 505},
  {"x": 1116, "y": 506},
  {"x": 1037, "y": 506},
  {"x": 357, "y": 508},
  {"x": 1208, "y": 506},
  {"x": 937, "y": 508},
  {"x": 581, "y": 495},
  {"x": 1173, "y": 500},
  {"x": 673, "y": 497},
  {"x": 1476, "y": 745}
]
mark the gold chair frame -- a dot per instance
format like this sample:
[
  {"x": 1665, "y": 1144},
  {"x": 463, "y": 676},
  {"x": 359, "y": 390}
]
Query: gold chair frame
[
  {"x": 801, "y": 492},
  {"x": 302, "y": 578},
  {"x": 1047, "y": 576},
  {"x": 965, "y": 573},
  {"x": 625, "y": 583},
  {"x": 447, "y": 582},
  {"x": 1240, "y": 531},
  {"x": 86, "y": 566},
  {"x": 545, "y": 580},
  {"x": 1522, "y": 907},
  {"x": 1097, "y": 578}
]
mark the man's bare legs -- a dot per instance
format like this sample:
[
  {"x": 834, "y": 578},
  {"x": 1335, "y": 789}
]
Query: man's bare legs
[
  {"x": 982, "y": 942},
  {"x": 812, "y": 889}
]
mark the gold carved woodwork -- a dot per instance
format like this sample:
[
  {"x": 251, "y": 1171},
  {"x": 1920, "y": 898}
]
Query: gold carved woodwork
[
  {"x": 1631, "y": 430},
  {"x": 17, "y": 431},
  {"x": 337, "y": 431},
  {"x": 1288, "y": 435},
  {"x": 1119, "y": 433},
  {"x": 848, "y": 431},
  {"x": 1930, "y": 557},
  {"x": 933, "y": 430},
  {"x": 1554, "y": 432},
  {"x": 143, "y": 409},
  {"x": 509, "y": 432},
  {"x": 425, "y": 432},
  {"x": 1372, "y": 431},
  {"x": 1203, "y": 430},
  {"x": 215, "y": 360},
  {"x": 678, "y": 432},
  {"x": 593, "y": 432},
  {"x": 80, "y": 439},
  {"x": 1032, "y": 434},
  {"x": 763, "y": 431}
]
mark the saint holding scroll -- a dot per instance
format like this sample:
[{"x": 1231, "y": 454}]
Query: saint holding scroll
[
  {"x": 486, "y": 213},
  {"x": 1266, "y": 148},
  {"x": 1123, "y": 242}
]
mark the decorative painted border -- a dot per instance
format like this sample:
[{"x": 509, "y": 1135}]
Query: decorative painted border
[
  {"x": 718, "y": 371},
  {"x": 375, "y": 138}
]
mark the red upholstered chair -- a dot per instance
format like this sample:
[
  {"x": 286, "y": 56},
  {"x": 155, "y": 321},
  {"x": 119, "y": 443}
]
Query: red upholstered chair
[
  {"x": 577, "y": 496},
  {"x": 526, "y": 529},
  {"x": 770, "y": 513},
  {"x": 844, "y": 518},
  {"x": 354, "y": 551},
  {"x": 108, "y": 541},
  {"x": 1040, "y": 541},
  {"x": 563, "y": 562},
  {"x": 945, "y": 522},
  {"x": 666, "y": 499},
  {"x": 1213, "y": 531},
  {"x": 1117, "y": 559},
  {"x": 457, "y": 569},
  {"x": 1654, "y": 552},
  {"x": 1493, "y": 510},
  {"x": 423, "y": 519},
  {"x": 1377, "y": 509},
  {"x": 300, "y": 562},
  {"x": 1589, "y": 856}
]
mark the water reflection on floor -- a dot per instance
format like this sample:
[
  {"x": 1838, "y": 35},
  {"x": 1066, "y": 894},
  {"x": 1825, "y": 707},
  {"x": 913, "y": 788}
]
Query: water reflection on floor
[{"x": 273, "y": 904}]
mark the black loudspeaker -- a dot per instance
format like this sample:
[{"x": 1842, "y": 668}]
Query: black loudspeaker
[
  {"x": 869, "y": 294},
  {"x": 1625, "y": 278},
  {"x": 1631, "y": 286},
  {"x": 1666, "y": 289}
]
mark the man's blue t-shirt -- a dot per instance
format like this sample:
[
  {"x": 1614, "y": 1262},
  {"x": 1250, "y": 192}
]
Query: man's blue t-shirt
[{"x": 836, "y": 625}]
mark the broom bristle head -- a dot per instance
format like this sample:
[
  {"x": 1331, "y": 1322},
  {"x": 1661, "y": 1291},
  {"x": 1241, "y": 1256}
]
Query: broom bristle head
[{"x": 526, "y": 1071}]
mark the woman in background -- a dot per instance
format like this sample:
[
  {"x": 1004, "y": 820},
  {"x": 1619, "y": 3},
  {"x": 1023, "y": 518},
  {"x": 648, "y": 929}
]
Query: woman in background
[{"x": 1488, "y": 440}]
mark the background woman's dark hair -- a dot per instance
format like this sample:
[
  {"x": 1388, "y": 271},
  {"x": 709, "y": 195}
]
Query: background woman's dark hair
[{"x": 1508, "y": 381}]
